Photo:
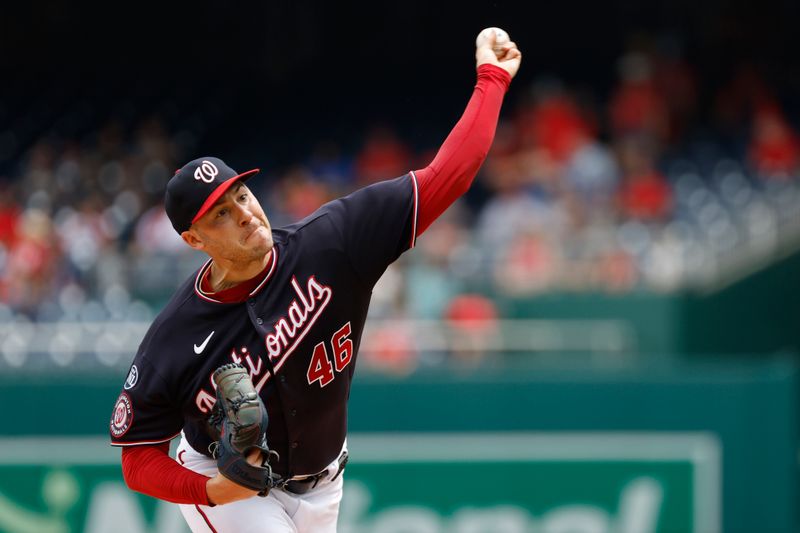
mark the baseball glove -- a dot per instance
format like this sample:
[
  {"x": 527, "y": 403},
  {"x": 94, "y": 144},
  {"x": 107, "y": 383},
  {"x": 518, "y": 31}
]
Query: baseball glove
[{"x": 240, "y": 419}]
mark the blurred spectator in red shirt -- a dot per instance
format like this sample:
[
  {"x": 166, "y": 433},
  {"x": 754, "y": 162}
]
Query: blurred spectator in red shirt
[
  {"x": 637, "y": 106},
  {"x": 389, "y": 347},
  {"x": 32, "y": 261},
  {"x": 552, "y": 121},
  {"x": 9, "y": 216},
  {"x": 472, "y": 321},
  {"x": 774, "y": 149},
  {"x": 644, "y": 193},
  {"x": 383, "y": 156},
  {"x": 531, "y": 264}
]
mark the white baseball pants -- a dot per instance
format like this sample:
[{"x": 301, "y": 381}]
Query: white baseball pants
[{"x": 281, "y": 511}]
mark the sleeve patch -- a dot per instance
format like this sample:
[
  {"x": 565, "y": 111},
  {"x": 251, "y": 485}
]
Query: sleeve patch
[
  {"x": 122, "y": 417},
  {"x": 133, "y": 378}
]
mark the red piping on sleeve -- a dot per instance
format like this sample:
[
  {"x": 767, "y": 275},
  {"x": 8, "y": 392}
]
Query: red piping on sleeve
[{"x": 415, "y": 214}]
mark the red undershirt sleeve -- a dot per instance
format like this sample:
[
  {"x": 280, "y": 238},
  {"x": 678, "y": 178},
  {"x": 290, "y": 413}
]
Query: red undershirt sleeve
[
  {"x": 150, "y": 470},
  {"x": 451, "y": 172}
]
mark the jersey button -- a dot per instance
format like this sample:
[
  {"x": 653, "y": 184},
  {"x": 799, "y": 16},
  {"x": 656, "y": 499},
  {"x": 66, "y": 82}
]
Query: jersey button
[
  {"x": 283, "y": 378},
  {"x": 259, "y": 321},
  {"x": 294, "y": 412},
  {"x": 295, "y": 444},
  {"x": 252, "y": 303}
]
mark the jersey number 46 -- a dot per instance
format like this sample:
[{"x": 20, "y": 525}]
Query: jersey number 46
[{"x": 320, "y": 368}]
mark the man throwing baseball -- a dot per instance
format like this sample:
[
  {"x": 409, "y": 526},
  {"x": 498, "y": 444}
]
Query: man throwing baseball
[{"x": 251, "y": 360}]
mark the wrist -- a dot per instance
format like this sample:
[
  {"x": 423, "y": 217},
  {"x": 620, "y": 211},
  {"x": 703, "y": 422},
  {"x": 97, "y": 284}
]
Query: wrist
[
  {"x": 211, "y": 491},
  {"x": 221, "y": 490},
  {"x": 493, "y": 72}
]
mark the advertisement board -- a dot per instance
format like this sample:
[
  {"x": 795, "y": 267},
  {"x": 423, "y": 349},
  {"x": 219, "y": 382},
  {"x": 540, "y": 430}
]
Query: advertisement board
[{"x": 655, "y": 482}]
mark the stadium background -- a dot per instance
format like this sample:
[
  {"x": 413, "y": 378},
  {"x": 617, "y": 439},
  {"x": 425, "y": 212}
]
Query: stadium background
[{"x": 601, "y": 337}]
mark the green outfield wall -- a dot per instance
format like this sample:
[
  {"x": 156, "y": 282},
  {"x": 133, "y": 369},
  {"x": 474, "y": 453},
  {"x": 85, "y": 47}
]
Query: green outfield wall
[
  {"x": 759, "y": 313},
  {"x": 702, "y": 446}
]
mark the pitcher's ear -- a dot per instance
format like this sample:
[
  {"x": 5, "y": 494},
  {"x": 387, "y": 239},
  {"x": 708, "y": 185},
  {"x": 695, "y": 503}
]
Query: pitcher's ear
[{"x": 191, "y": 238}]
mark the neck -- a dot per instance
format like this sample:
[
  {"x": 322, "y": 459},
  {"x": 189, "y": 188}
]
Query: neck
[{"x": 224, "y": 275}]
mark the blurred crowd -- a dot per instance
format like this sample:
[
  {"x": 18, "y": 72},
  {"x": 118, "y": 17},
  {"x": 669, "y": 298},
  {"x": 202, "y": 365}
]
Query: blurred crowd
[{"x": 641, "y": 191}]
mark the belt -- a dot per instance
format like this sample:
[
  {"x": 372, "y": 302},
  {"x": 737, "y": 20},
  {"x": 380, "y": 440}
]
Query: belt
[{"x": 301, "y": 486}]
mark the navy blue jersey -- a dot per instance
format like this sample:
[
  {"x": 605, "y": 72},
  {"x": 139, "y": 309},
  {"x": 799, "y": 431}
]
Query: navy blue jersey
[{"x": 298, "y": 333}]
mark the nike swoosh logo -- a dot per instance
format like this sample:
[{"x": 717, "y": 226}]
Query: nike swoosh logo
[{"x": 199, "y": 349}]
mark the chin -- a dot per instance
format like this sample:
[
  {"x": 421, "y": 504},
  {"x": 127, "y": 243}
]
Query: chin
[{"x": 264, "y": 245}]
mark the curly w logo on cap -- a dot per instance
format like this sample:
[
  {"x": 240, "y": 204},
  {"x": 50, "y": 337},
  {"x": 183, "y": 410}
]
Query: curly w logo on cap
[{"x": 206, "y": 172}]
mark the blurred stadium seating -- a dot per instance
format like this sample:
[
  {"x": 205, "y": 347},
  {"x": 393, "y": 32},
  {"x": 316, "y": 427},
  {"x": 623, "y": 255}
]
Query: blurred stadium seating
[{"x": 626, "y": 196}]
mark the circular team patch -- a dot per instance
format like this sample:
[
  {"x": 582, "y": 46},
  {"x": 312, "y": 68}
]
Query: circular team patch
[
  {"x": 123, "y": 416},
  {"x": 133, "y": 377}
]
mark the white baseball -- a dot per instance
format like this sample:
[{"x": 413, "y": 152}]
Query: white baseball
[{"x": 501, "y": 39}]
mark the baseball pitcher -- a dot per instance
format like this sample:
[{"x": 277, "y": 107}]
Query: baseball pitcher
[{"x": 250, "y": 362}]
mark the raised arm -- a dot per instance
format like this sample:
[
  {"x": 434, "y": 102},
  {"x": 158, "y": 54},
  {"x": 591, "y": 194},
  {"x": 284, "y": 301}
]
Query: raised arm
[{"x": 456, "y": 163}]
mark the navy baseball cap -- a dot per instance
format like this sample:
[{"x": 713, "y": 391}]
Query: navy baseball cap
[{"x": 196, "y": 187}]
